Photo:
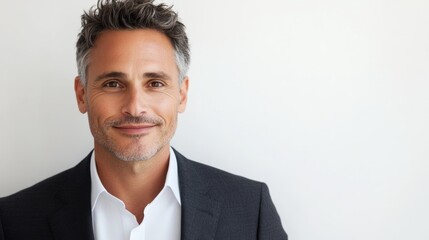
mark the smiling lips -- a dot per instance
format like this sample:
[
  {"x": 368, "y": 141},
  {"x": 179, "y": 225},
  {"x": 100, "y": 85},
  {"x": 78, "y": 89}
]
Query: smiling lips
[{"x": 135, "y": 129}]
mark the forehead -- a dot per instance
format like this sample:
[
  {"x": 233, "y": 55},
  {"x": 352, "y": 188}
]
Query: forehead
[{"x": 117, "y": 50}]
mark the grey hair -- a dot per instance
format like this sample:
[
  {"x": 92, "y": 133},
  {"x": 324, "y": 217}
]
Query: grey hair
[{"x": 128, "y": 15}]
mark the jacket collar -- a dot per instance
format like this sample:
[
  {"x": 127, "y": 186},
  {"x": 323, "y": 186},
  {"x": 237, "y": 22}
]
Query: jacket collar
[
  {"x": 73, "y": 220},
  {"x": 200, "y": 211}
]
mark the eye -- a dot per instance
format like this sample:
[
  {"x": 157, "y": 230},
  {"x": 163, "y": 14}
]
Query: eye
[
  {"x": 112, "y": 84},
  {"x": 156, "y": 84}
]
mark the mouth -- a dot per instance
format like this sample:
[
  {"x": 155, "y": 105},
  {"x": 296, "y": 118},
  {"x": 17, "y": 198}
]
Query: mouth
[{"x": 139, "y": 129}]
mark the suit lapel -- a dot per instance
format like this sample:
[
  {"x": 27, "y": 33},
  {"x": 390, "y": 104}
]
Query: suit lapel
[
  {"x": 73, "y": 220},
  {"x": 200, "y": 216},
  {"x": 200, "y": 212},
  {"x": 69, "y": 223}
]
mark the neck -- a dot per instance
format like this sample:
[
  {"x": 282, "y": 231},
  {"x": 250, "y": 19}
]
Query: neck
[{"x": 136, "y": 183}]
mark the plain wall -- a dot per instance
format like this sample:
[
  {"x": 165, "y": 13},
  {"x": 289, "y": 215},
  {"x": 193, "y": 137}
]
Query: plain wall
[{"x": 325, "y": 101}]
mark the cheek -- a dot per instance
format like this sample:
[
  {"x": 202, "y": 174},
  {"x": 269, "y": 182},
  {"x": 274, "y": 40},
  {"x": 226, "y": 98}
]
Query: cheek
[
  {"x": 100, "y": 108},
  {"x": 165, "y": 104}
]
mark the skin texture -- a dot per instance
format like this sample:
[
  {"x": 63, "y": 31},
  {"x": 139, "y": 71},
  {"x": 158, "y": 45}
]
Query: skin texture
[{"x": 132, "y": 99}]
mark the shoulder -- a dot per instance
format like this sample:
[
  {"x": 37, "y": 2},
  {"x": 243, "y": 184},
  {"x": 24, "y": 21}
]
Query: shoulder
[
  {"x": 44, "y": 193},
  {"x": 244, "y": 206},
  {"x": 223, "y": 177},
  {"x": 220, "y": 183}
]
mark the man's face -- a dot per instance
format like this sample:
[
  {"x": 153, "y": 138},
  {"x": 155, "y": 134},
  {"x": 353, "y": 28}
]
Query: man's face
[{"x": 132, "y": 95}]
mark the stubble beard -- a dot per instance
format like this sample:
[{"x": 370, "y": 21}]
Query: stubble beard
[{"x": 136, "y": 150}]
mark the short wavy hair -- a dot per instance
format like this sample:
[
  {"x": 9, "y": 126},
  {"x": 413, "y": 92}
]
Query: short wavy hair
[{"x": 129, "y": 15}]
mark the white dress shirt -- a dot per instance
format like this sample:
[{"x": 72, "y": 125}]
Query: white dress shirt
[{"x": 162, "y": 217}]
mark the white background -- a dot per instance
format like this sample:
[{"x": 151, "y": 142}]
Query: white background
[{"x": 325, "y": 101}]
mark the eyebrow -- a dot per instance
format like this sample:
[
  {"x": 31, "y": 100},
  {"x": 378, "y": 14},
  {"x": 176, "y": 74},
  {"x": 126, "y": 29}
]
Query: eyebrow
[
  {"x": 157, "y": 75},
  {"x": 111, "y": 75}
]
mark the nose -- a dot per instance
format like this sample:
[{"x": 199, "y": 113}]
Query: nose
[{"x": 135, "y": 102}]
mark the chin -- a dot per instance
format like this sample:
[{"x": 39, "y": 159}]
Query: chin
[{"x": 139, "y": 153}]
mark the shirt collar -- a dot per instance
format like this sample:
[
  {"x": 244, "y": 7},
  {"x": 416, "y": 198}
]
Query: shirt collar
[{"x": 171, "y": 181}]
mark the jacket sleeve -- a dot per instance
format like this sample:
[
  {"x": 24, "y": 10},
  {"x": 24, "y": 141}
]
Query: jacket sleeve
[{"x": 270, "y": 226}]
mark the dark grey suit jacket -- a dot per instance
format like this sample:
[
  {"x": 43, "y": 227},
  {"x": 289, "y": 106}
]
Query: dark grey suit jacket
[{"x": 215, "y": 205}]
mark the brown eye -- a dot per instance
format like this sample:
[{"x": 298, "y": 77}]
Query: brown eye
[
  {"x": 156, "y": 84},
  {"x": 112, "y": 84}
]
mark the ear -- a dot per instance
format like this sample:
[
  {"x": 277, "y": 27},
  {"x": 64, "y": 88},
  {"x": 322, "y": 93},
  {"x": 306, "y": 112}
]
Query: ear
[
  {"x": 183, "y": 94},
  {"x": 80, "y": 92}
]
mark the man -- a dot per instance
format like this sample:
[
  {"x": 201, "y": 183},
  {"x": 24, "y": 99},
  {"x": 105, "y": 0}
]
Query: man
[{"x": 132, "y": 61}]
